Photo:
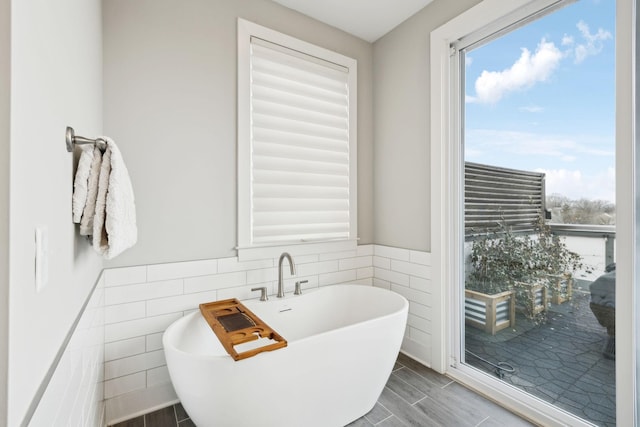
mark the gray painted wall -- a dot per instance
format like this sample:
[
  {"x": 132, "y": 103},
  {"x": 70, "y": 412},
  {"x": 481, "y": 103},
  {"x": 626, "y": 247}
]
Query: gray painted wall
[
  {"x": 56, "y": 81},
  {"x": 170, "y": 104},
  {"x": 401, "y": 128}
]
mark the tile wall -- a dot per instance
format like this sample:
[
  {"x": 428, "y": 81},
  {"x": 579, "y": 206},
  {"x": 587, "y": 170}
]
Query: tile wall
[
  {"x": 138, "y": 303},
  {"x": 74, "y": 396},
  {"x": 408, "y": 273}
]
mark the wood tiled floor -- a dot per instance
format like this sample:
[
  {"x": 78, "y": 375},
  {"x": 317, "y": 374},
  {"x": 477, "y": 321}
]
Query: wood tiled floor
[{"x": 414, "y": 396}]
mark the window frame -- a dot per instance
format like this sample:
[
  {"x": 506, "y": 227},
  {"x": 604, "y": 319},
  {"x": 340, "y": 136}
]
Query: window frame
[{"x": 248, "y": 250}]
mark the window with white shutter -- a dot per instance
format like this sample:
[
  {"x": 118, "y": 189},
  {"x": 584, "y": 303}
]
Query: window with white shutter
[{"x": 296, "y": 141}]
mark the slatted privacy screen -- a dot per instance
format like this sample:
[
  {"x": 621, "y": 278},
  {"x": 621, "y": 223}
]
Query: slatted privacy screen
[
  {"x": 494, "y": 194},
  {"x": 299, "y": 146}
]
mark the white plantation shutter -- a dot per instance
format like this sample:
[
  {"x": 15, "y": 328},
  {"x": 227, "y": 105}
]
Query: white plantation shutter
[
  {"x": 299, "y": 146},
  {"x": 300, "y": 169}
]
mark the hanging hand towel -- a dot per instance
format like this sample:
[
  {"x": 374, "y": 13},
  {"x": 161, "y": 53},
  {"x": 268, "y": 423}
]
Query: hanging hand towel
[
  {"x": 86, "y": 223},
  {"x": 80, "y": 184},
  {"x": 115, "y": 222},
  {"x": 99, "y": 233}
]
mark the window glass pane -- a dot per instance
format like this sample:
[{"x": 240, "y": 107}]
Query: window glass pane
[{"x": 539, "y": 144}]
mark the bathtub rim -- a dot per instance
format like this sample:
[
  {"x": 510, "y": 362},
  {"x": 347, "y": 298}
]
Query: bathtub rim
[{"x": 224, "y": 355}]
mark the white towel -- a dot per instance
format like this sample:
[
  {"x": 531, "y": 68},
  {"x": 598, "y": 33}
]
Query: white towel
[
  {"x": 80, "y": 183},
  {"x": 86, "y": 223},
  {"x": 99, "y": 233},
  {"x": 114, "y": 226}
]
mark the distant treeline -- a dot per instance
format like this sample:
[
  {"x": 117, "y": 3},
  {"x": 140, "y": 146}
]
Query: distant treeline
[{"x": 583, "y": 211}]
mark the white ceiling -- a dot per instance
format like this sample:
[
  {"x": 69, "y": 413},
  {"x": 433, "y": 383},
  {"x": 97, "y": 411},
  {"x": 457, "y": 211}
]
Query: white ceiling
[{"x": 367, "y": 19}]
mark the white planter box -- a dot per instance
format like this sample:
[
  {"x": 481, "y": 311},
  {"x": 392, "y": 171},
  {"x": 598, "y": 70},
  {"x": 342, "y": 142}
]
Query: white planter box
[{"x": 490, "y": 313}]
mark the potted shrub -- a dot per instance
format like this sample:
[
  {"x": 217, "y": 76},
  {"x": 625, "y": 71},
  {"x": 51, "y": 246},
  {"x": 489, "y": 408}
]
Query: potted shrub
[
  {"x": 530, "y": 265},
  {"x": 558, "y": 264}
]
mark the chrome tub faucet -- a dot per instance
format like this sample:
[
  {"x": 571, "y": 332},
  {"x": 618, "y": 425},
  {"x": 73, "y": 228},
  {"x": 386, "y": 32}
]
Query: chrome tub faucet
[{"x": 293, "y": 272}]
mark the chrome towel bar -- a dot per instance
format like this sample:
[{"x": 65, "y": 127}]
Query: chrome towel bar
[{"x": 71, "y": 139}]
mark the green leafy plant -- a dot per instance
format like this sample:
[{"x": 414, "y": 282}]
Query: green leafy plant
[{"x": 503, "y": 260}]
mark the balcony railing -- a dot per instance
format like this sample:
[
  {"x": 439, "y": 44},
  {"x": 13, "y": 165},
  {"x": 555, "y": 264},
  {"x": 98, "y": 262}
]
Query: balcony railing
[
  {"x": 594, "y": 243},
  {"x": 497, "y": 196}
]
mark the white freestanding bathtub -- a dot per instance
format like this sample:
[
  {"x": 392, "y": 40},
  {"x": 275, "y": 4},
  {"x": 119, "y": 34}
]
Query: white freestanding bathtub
[{"x": 342, "y": 344}]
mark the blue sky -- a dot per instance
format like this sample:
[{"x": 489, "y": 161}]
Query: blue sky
[{"x": 542, "y": 98}]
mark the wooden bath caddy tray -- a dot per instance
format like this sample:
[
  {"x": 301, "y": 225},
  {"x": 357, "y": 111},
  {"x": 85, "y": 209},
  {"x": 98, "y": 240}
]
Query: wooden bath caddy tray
[{"x": 234, "y": 324}]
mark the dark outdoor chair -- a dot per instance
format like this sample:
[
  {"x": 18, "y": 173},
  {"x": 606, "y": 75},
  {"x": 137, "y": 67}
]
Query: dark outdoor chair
[{"x": 603, "y": 306}]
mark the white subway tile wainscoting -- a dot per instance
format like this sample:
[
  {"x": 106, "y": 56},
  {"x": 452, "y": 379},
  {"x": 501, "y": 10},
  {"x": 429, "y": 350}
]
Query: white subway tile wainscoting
[
  {"x": 408, "y": 273},
  {"x": 74, "y": 395}
]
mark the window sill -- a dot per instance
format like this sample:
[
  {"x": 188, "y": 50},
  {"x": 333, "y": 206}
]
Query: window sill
[{"x": 264, "y": 252}]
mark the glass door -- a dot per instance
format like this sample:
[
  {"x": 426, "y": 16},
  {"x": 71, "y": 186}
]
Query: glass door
[{"x": 538, "y": 132}]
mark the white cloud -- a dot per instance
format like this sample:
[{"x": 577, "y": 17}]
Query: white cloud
[
  {"x": 567, "y": 40},
  {"x": 565, "y": 148},
  {"x": 531, "y": 109},
  {"x": 528, "y": 70},
  {"x": 576, "y": 165},
  {"x": 468, "y": 61},
  {"x": 576, "y": 184},
  {"x": 522, "y": 143},
  {"x": 593, "y": 43}
]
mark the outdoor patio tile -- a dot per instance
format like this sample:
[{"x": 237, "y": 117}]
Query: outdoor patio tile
[
  {"x": 521, "y": 355},
  {"x": 570, "y": 405},
  {"x": 588, "y": 387},
  {"x": 603, "y": 364},
  {"x": 547, "y": 375},
  {"x": 603, "y": 401},
  {"x": 553, "y": 356},
  {"x": 609, "y": 391},
  {"x": 521, "y": 382},
  {"x": 546, "y": 394},
  {"x": 534, "y": 391},
  {"x": 602, "y": 374},
  {"x": 560, "y": 361},
  {"x": 533, "y": 375},
  {"x": 567, "y": 376},
  {"x": 600, "y": 417},
  {"x": 548, "y": 363},
  {"x": 579, "y": 396}
]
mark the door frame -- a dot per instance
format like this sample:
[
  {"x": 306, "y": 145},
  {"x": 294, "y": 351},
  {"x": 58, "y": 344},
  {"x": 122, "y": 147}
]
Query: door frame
[{"x": 447, "y": 214}]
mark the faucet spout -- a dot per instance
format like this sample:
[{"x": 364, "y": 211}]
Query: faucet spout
[{"x": 292, "y": 268}]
